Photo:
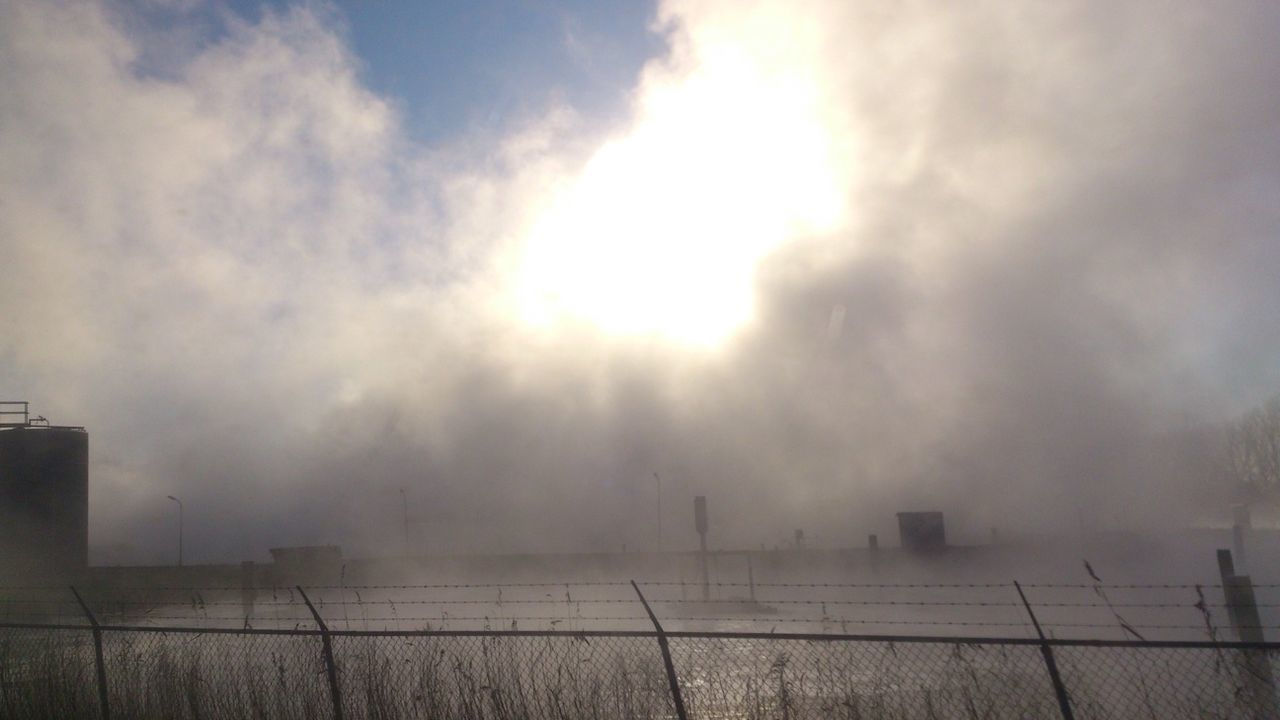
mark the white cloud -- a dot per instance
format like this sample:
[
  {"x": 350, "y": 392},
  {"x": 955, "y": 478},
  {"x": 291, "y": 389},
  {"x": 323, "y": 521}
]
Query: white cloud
[{"x": 252, "y": 287}]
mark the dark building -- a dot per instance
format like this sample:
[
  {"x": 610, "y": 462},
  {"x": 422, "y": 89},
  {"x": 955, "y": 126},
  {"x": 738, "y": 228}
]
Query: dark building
[
  {"x": 922, "y": 530},
  {"x": 44, "y": 493}
]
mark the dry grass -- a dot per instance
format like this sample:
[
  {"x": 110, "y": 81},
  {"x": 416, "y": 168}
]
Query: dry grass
[{"x": 50, "y": 674}]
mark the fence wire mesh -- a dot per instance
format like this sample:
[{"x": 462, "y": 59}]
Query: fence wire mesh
[
  {"x": 216, "y": 675},
  {"x": 777, "y": 678},
  {"x": 1155, "y": 682},
  {"x": 49, "y": 672},
  {"x": 502, "y": 677},
  {"x": 564, "y": 651}
]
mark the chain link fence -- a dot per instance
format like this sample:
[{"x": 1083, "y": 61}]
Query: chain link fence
[
  {"x": 601, "y": 650},
  {"x": 152, "y": 672}
]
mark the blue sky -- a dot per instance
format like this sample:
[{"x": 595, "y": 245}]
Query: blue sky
[{"x": 454, "y": 66}]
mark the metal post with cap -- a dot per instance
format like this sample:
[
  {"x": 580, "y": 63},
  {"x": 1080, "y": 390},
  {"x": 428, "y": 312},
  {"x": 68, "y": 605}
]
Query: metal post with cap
[
  {"x": 700, "y": 524},
  {"x": 179, "y": 527}
]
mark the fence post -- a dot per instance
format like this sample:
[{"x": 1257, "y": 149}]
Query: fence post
[
  {"x": 1064, "y": 702},
  {"x": 334, "y": 691},
  {"x": 676, "y": 696},
  {"x": 103, "y": 704},
  {"x": 1242, "y": 609}
]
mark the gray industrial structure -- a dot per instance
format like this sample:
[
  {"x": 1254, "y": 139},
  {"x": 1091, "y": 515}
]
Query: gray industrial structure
[
  {"x": 922, "y": 530},
  {"x": 44, "y": 493}
]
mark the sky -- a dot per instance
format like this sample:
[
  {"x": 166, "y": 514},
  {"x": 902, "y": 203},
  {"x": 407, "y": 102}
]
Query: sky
[
  {"x": 820, "y": 261},
  {"x": 450, "y": 68}
]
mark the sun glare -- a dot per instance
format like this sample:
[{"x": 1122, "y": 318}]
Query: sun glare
[{"x": 662, "y": 231}]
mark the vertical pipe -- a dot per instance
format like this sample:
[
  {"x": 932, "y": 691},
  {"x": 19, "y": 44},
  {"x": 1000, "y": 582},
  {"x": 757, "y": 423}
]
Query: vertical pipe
[
  {"x": 672, "y": 680},
  {"x": 706, "y": 570},
  {"x": 335, "y": 692},
  {"x": 1240, "y": 526},
  {"x": 751, "y": 578},
  {"x": 1237, "y": 542},
  {"x": 404, "y": 502},
  {"x": 1064, "y": 703},
  {"x": 659, "y": 479},
  {"x": 701, "y": 524},
  {"x": 103, "y": 703},
  {"x": 179, "y": 527}
]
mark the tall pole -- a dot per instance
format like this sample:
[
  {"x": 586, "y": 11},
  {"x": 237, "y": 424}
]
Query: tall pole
[
  {"x": 179, "y": 527},
  {"x": 706, "y": 571},
  {"x": 700, "y": 524},
  {"x": 404, "y": 502},
  {"x": 659, "y": 479}
]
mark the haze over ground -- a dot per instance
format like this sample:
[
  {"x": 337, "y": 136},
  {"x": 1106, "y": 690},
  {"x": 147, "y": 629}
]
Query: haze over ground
[{"x": 820, "y": 261}]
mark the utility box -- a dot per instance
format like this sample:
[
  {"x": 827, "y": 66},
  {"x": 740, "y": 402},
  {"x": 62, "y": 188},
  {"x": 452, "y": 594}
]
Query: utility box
[{"x": 922, "y": 530}]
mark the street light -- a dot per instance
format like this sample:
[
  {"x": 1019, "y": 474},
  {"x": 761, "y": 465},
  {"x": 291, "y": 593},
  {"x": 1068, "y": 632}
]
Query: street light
[
  {"x": 404, "y": 503},
  {"x": 659, "y": 479},
  {"x": 179, "y": 527}
]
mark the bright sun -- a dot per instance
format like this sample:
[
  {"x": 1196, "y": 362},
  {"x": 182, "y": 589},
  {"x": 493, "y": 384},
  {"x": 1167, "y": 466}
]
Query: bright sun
[{"x": 661, "y": 232}]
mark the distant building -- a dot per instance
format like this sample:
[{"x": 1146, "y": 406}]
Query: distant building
[
  {"x": 922, "y": 530},
  {"x": 44, "y": 493},
  {"x": 307, "y": 562}
]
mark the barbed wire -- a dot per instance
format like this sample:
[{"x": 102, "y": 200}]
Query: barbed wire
[
  {"x": 684, "y": 584},
  {"x": 1004, "y": 585},
  {"x": 1152, "y": 586},
  {"x": 498, "y": 620},
  {"x": 329, "y": 601},
  {"x": 324, "y": 601}
]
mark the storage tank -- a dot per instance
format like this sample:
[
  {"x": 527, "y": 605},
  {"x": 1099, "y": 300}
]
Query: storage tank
[{"x": 44, "y": 495}]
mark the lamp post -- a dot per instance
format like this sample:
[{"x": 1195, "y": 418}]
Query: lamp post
[
  {"x": 179, "y": 527},
  {"x": 659, "y": 479},
  {"x": 404, "y": 502}
]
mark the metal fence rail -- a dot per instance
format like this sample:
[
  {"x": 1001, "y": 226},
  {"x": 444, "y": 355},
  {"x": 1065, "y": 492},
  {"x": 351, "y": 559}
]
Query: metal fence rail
[{"x": 49, "y": 671}]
